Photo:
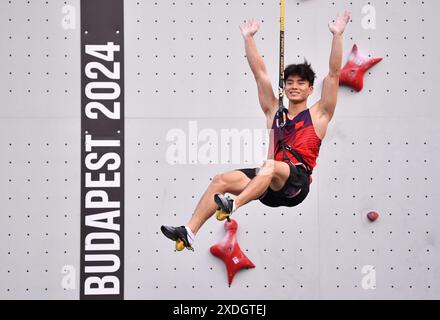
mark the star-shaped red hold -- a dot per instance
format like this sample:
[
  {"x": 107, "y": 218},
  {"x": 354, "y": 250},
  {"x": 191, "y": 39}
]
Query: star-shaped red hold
[
  {"x": 353, "y": 73},
  {"x": 229, "y": 251}
]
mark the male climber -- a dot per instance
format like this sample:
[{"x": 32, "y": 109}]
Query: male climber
[{"x": 284, "y": 179}]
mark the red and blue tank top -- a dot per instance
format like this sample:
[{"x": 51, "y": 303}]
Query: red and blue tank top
[{"x": 299, "y": 134}]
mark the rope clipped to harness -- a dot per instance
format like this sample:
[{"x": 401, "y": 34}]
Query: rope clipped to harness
[
  {"x": 282, "y": 113},
  {"x": 281, "y": 117}
]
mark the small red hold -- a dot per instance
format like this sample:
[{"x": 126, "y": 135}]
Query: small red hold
[
  {"x": 373, "y": 216},
  {"x": 352, "y": 74},
  {"x": 229, "y": 251}
]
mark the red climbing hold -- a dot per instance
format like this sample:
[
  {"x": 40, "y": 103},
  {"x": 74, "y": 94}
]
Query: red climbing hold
[
  {"x": 373, "y": 216},
  {"x": 229, "y": 251},
  {"x": 352, "y": 74}
]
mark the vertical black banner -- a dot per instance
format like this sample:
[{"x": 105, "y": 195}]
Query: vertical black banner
[{"x": 102, "y": 154}]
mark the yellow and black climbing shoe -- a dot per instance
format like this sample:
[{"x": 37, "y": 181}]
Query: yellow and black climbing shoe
[
  {"x": 179, "y": 235},
  {"x": 225, "y": 205}
]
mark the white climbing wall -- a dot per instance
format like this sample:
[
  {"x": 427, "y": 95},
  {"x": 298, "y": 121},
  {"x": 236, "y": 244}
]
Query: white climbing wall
[
  {"x": 186, "y": 73},
  {"x": 186, "y": 63},
  {"x": 39, "y": 151}
]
